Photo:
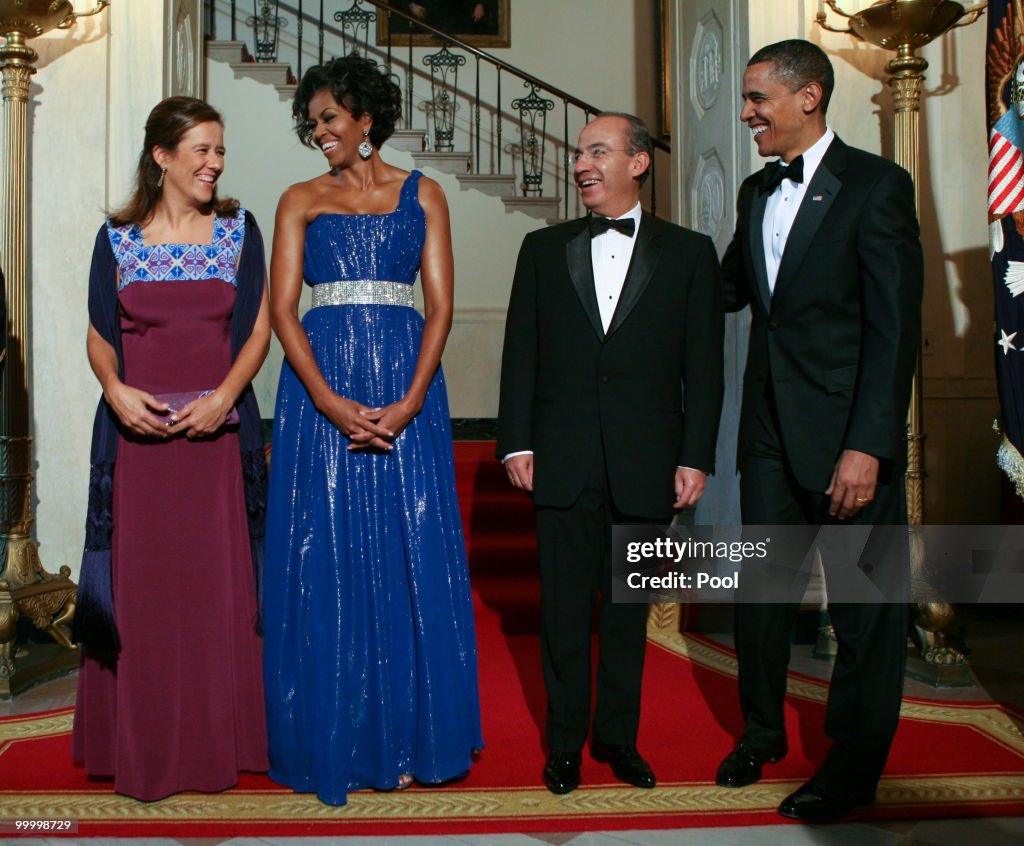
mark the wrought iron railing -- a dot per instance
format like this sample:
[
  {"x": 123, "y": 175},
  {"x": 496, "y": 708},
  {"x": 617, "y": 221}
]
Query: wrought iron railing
[{"x": 455, "y": 119}]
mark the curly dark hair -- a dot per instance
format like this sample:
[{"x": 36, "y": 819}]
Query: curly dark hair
[{"x": 357, "y": 83}]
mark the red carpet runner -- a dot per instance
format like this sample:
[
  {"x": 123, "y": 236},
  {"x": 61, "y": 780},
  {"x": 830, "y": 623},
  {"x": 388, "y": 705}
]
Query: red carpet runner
[{"x": 948, "y": 760}]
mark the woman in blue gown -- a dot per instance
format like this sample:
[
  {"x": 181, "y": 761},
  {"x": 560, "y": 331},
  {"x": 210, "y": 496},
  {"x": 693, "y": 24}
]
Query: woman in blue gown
[{"x": 369, "y": 654}]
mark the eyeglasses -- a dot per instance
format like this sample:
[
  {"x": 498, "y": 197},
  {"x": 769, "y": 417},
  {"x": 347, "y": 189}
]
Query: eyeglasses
[{"x": 597, "y": 154}]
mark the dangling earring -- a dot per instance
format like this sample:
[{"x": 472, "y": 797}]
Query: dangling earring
[
  {"x": 366, "y": 148},
  {"x": 160, "y": 181}
]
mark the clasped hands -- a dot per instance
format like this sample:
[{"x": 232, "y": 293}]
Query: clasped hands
[
  {"x": 142, "y": 413},
  {"x": 370, "y": 428}
]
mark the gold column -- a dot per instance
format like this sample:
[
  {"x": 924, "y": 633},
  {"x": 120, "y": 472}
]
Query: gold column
[
  {"x": 26, "y": 589},
  {"x": 905, "y": 26},
  {"x": 907, "y": 81}
]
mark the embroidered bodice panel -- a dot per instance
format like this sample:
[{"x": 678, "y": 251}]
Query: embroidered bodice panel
[{"x": 139, "y": 262}]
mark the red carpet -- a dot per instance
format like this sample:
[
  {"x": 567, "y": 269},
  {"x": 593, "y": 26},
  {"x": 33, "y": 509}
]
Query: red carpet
[{"x": 948, "y": 759}]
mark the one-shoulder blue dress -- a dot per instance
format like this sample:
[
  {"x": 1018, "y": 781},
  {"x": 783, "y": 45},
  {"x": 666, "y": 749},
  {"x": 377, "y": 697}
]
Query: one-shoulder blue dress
[{"x": 369, "y": 652}]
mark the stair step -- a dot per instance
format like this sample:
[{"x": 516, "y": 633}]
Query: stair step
[
  {"x": 287, "y": 92},
  {"x": 407, "y": 140},
  {"x": 520, "y": 562},
  {"x": 233, "y": 52},
  {"x": 444, "y": 162},
  {"x": 517, "y": 600},
  {"x": 495, "y": 184},
  {"x": 508, "y": 499},
  {"x": 270, "y": 73},
  {"x": 500, "y": 517},
  {"x": 542, "y": 207}
]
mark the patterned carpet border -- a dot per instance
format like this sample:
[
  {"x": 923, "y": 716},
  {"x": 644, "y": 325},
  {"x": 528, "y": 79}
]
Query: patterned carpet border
[
  {"x": 987, "y": 718},
  {"x": 495, "y": 805},
  {"x": 34, "y": 726},
  {"x": 489, "y": 805}
]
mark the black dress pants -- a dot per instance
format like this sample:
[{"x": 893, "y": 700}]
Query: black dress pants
[
  {"x": 867, "y": 678},
  {"x": 574, "y": 551}
]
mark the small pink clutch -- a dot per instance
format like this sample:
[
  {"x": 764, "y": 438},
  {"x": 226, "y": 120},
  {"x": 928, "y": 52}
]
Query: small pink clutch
[{"x": 178, "y": 401}]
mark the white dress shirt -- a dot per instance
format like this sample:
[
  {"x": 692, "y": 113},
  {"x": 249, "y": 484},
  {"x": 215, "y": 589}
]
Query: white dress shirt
[
  {"x": 610, "y": 254},
  {"x": 783, "y": 205}
]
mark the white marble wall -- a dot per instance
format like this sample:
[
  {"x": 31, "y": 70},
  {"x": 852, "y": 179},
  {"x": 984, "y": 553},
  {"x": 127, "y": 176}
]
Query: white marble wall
[
  {"x": 472, "y": 361},
  {"x": 95, "y": 85}
]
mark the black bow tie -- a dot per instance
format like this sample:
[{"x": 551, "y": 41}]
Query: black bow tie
[
  {"x": 600, "y": 225},
  {"x": 775, "y": 172}
]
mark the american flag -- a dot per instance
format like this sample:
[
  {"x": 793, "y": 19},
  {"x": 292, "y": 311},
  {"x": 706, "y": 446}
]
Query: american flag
[
  {"x": 1005, "y": 89},
  {"x": 1005, "y": 174}
]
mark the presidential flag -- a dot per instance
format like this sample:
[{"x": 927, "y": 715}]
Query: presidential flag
[{"x": 1005, "y": 97}]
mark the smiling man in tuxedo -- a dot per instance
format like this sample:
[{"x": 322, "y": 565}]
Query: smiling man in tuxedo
[
  {"x": 611, "y": 318},
  {"x": 827, "y": 254}
]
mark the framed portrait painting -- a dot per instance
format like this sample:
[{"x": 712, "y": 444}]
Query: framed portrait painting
[{"x": 482, "y": 23}]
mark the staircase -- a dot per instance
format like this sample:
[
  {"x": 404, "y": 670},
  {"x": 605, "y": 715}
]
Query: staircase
[
  {"x": 279, "y": 76},
  {"x": 497, "y": 140},
  {"x": 498, "y": 523}
]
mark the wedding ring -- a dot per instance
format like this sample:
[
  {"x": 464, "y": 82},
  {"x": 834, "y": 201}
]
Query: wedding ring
[{"x": 861, "y": 500}]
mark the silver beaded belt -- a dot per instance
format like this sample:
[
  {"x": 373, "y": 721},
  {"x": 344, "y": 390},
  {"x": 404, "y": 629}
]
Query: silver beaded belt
[{"x": 363, "y": 292}]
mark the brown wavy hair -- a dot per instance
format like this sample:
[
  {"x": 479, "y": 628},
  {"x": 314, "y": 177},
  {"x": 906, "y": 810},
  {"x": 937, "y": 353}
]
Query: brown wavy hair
[{"x": 165, "y": 127}]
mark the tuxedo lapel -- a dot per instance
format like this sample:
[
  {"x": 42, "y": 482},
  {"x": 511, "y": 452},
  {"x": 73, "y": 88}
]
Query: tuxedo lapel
[
  {"x": 755, "y": 231},
  {"x": 818, "y": 199},
  {"x": 646, "y": 252},
  {"x": 581, "y": 271}
]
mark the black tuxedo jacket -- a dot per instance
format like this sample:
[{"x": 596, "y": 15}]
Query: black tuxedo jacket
[
  {"x": 569, "y": 390},
  {"x": 839, "y": 335}
]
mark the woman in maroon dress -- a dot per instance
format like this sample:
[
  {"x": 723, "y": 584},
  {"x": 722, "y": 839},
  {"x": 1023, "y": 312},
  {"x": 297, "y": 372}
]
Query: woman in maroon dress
[{"x": 170, "y": 694}]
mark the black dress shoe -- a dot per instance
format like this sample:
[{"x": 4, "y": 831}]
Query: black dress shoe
[
  {"x": 627, "y": 765},
  {"x": 742, "y": 766},
  {"x": 821, "y": 800},
  {"x": 562, "y": 772}
]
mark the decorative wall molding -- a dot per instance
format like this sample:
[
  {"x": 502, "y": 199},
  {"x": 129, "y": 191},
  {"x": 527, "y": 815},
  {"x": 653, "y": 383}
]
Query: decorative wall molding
[
  {"x": 478, "y": 315},
  {"x": 709, "y": 194},
  {"x": 183, "y": 49},
  {"x": 706, "y": 63}
]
